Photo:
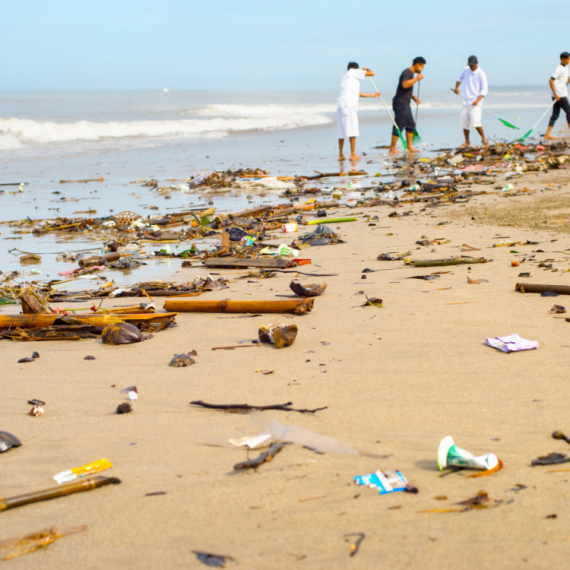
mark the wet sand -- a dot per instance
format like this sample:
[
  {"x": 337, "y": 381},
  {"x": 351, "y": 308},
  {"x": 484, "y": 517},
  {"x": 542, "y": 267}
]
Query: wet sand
[{"x": 396, "y": 380}]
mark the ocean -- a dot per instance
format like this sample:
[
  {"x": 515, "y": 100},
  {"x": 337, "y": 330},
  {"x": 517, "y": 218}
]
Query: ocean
[{"x": 124, "y": 137}]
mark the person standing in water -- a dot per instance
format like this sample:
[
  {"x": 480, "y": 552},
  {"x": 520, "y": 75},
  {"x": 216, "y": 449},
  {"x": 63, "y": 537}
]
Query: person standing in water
[
  {"x": 347, "y": 107},
  {"x": 475, "y": 88},
  {"x": 559, "y": 85},
  {"x": 401, "y": 104}
]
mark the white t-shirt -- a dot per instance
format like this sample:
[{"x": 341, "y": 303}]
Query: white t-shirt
[
  {"x": 474, "y": 84},
  {"x": 560, "y": 77},
  {"x": 350, "y": 89}
]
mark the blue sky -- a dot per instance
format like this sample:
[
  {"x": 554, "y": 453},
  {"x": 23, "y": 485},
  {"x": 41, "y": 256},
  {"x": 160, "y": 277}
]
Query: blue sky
[{"x": 252, "y": 45}]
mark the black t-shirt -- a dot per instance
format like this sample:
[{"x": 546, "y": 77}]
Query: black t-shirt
[{"x": 402, "y": 93}]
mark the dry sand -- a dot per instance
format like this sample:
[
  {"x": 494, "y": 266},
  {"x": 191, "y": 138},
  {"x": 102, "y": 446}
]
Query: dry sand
[{"x": 396, "y": 380}]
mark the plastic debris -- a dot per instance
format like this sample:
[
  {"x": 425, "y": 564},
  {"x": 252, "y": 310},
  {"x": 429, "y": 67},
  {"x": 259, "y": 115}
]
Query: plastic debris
[
  {"x": 385, "y": 481},
  {"x": 511, "y": 343},
  {"x": 75, "y": 473},
  {"x": 450, "y": 455}
]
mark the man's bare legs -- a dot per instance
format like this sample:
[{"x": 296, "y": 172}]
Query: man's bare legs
[
  {"x": 340, "y": 147},
  {"x": 393, "y": 149},
  {"x": 353, "y": 155},
  {"x": 483, "y": 139},
  {"x": 410, "y": 141},
  {"x": 467, "y": 141}
]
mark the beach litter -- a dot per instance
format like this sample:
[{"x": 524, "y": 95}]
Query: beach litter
[
  {"x": 450, "y": 455},
  {"x": 36, "y": 411},
  {"x": 7, "y": 442},
  {"x": 560, "y": 435},
  {"x": 181, "y": 360},
  {"x": 281, "y": 336},
  {"x": 246, "y": 408},
  {"x": 33, "y": 358},
  {"x": 14, "y": 547},
  {"x": 551, "y": 459},
  {"x": 355, "y": 544},
  {"x": 386, "y": 482},
  {"x": 124, "y": 408},
  {"x": 84, "y": 484},
  {"x": 121, "y": 333},
  {"x": 311, "y": 290},
  {"x": 89, "y": 469},
  {"x": 511, "y": 343},
  {"x": 265, "y": 457},
  {"x": 480, "y": 501},
  {"x": 213, "y": 560},
  {"x": 294, "y": 306}
]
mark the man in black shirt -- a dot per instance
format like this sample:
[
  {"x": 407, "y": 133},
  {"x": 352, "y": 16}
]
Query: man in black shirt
[{"x": 401, "y": 103}]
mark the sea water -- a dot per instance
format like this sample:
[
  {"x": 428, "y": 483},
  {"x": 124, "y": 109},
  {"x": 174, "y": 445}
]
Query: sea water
[{"x": 124, "y": 137}]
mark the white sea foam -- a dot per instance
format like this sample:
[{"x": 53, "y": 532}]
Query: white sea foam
[
  {"x": 206, "y": 121},
  {"x": 40, "y": 132}
]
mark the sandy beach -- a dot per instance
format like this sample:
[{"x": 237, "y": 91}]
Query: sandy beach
[{"x": 395, "y": 381}]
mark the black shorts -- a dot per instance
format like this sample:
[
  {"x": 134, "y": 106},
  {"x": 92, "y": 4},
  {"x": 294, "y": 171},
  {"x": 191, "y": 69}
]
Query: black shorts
[
  {"x": 403, "y": 116},
  {"x": 560, "y": 105}
]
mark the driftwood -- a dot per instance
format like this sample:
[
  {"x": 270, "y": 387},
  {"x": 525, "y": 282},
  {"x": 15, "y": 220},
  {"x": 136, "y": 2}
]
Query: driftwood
[
  {"x": 238, "y": 262},
  {"x": 95, "y": 320},
  {"x": 296, "y": 306},
  {"x": 265, "y": 457},
  {"x": 451, "y": 261},
  {"x": 242, "y": 408},
  {"x": 536, "y": 288},
  {"x": 57, "y": 332},
  {"x": 83, "y": 484},
  {"x": 99, "y": 259},
  {"x": 251, "y": 213},
  {"x": 327, "y": 174}
]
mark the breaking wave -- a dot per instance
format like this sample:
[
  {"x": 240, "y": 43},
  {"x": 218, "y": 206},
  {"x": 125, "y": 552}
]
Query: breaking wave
[{"x": 15, "y": 131}]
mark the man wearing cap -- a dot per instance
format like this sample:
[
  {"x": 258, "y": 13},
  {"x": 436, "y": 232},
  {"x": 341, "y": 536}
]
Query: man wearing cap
[
  {"x": 347, "y": 107},
  {"x": 559, "y": 85},
  {"x": 475, "y": 88}
]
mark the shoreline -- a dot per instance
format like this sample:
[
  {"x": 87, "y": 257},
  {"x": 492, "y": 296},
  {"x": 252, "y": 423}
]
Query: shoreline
[{"x": 396, "y": 380}]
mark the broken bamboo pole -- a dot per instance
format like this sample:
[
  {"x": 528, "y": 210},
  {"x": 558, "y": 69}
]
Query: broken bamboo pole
[
  {"x": 537, "y": 288},
  {"x": 84, "y": 484},
  {"x": 97, "y": 320},
  {"x": 296, "y": 306},
  {"x": 238, "y": 262},
  {"x": 99, "y": 259},
  {"x": 453, "y": 261}
]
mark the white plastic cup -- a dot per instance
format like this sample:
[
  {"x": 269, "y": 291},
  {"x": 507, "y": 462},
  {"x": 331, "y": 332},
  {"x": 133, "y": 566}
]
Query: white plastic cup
[{"x": 288, "y": 228}]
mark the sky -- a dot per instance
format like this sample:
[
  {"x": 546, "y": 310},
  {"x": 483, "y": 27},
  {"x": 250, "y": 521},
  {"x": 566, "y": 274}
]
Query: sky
[{"x": 253, "y": 45}]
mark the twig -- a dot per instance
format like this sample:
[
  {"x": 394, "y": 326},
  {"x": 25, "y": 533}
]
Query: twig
[
  {"x": 356, "y": 544},
  {"x": 265, "y": 457},
  {"x": 234, "y": 407},
  {"x": 236, "y": 346}
]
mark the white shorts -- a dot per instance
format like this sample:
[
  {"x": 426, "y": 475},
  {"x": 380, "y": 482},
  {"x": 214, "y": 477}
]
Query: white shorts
[
  {"x": 470, "y": 117},
  {"x": 346, "y": 123}
]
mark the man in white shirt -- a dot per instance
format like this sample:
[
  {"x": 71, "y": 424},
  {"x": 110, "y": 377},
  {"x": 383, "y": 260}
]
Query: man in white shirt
[
  {"x": 347, "y": 107},
  {"x": 559, "y": 85},
  {"x": 475, "y": 88}
]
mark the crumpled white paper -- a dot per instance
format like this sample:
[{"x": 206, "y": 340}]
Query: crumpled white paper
[{"x": 511, "y": 343}]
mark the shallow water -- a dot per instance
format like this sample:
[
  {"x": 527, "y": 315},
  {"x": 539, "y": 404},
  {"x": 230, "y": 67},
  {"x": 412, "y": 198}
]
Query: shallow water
[{"x": 51, "y": 137}]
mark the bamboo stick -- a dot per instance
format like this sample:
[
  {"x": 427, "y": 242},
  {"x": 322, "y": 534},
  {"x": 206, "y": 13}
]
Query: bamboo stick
[
  {"x": 330, "y": 221},
  {"x": 83, "y": 484},
  {"x": 263, "y": 263},
  {"x": 99, "y": 259},
  {"x": 96, "y": 320},
  {"x": 453, "y": 261},
  {"x": 537, "y": 288},
  {"x": 296, "y": 306}
]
